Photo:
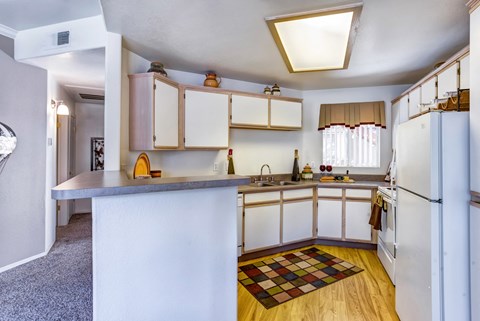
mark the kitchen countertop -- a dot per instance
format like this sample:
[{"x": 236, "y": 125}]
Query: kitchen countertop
[
  {"x": 252, "y": 188},
  {"x": 109, "y": 183}
]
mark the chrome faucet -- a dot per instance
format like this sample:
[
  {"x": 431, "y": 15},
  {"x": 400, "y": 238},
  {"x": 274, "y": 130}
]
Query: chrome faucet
[{"x": 261, "y": 171}]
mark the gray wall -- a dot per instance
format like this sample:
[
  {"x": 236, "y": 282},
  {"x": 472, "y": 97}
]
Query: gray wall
[
  {"x": 23, "y": 105},
  {"x": 7, "y": 45},
  {"x": 89, "y": 123}
]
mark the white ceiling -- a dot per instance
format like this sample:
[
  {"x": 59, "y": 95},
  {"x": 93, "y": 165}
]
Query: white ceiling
[
  {"x": 398, "y": 42},
  {"x": 78, "y": 71},
  {"x": 26, "y": 14}
]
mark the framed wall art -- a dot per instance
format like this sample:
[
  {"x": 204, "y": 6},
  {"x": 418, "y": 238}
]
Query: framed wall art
[{"x": 97, "y": 154}]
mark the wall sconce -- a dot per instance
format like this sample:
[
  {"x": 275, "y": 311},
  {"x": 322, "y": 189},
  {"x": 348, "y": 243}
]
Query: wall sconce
[{"x": 62, "y": 109}]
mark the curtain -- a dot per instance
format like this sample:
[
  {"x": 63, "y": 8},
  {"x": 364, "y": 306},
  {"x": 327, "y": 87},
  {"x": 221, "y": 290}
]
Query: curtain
[{"x": 352, "y": 114}]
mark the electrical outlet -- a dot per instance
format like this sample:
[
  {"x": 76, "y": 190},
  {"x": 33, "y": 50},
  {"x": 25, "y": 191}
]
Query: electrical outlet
[
  {"x": 215, "y": 167},
  {"x": 312, "y": 164}
]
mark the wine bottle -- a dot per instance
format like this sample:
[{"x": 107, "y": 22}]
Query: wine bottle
[
  {"x": 296, "y": 170},
  {"x": 231, "y": 168}
]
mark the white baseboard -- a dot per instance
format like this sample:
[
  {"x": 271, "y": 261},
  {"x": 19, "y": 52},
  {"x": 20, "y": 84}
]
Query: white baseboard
[{"x": 18, "y": 263}]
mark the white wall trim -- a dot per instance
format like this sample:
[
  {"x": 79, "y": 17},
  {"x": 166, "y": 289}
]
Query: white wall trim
[
  {"x": 21, "y": 262},
  {"x": 8, "y": 32}
]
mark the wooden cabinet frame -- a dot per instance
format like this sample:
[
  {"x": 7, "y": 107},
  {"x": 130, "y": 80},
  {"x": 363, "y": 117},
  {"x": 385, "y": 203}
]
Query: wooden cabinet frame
[
  {"x": 142, "y": 113},
  {"x": 270, "y": 98},
  {"x": 455, "y": 59},
  {"x": 344, "y": 199},
  {"x": 280, "y": 202},
  {"x": 283, "y": 200}
]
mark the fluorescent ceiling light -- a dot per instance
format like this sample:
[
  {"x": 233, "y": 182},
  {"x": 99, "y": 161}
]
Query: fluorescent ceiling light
[{"x": 318, "y": 40}]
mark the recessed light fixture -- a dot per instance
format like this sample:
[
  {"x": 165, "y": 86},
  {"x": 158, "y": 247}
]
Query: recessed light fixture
[{"x": 316, "y": 40}]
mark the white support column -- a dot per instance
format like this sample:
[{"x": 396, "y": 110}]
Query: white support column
[{"x": 113, "y": 85}]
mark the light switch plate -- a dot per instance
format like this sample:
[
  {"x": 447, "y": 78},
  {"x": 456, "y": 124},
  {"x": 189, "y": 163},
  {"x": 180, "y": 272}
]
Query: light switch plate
[{"x": 215, "y": 167}]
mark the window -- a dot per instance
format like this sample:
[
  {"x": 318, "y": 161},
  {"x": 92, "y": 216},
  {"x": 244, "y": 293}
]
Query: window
[{"x": 346, "y": 147}]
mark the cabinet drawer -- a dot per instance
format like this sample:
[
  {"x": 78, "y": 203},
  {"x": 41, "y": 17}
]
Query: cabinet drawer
[
  {"x": 297, "y": 193},
  {"x": 335, "y": 192},
  {"x": 262, "y": 197},
  {"x": 366, "y": 193}
]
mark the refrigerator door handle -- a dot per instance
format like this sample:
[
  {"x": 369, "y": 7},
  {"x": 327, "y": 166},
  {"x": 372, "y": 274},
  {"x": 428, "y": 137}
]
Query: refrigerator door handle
[{"x": 439, "y": 201}]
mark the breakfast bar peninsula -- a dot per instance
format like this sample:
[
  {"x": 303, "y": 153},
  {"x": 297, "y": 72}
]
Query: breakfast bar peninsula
[{"x": 163, "y": 248}]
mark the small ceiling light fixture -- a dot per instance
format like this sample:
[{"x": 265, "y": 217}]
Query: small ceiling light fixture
[
  {"x": 316, "y": 40},
  {"x": 62, "y": 109}
]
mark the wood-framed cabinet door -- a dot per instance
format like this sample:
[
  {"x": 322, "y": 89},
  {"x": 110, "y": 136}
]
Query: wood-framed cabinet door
[
  {"x": 285, "y": 114},
  {"x": 206, "y": 120},
  {"x": 166, "y": 115},
  {"x": 249, "y": 111},
  {"x": 414, "y": 102},
  {"x": 448, "y": 81},
  {"x": 261, "y": 227},
  {"x": 395, "y": 122},
  {"x": 403, "y": 109},
  {"x": 297, "y": 221},
  {"x": 465, "y": 72},
  {"x": 357, "y": 215},
  {"x": 329, "y": 218},
  {"x": 429, "y": 93}
]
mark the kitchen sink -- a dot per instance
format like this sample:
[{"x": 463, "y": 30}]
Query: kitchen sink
[{"x": 278, "y": 183}]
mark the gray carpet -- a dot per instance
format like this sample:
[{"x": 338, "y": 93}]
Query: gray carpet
[{"x": 57, "y": 286}]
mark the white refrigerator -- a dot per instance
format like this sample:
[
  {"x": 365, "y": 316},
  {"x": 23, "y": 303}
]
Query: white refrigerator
[{"x": 432, "y": 264}]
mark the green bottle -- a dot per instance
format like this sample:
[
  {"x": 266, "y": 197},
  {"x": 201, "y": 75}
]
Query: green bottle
[
  {"x": 231, "y": 168},
  {"x": 296, "y": 169}
]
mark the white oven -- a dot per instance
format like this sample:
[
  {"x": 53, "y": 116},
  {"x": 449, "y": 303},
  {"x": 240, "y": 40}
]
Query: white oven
[{"x": 386, "y": 249}]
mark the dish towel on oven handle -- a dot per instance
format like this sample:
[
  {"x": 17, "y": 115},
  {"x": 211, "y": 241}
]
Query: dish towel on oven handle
[{"x": 376, "y": 216}]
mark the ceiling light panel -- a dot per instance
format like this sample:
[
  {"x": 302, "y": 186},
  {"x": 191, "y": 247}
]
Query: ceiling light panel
[{"x": 320, "y": 40}]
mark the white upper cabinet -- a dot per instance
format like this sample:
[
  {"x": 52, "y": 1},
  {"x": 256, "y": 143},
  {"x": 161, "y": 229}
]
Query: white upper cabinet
[
  {"x": 206, "y": 119},
  {"x": 429, "y": 91},
  {"x": 448, "y": 81},
  {"x": 403, "y": 109},
  {"x": 166, "y": 115},
  {"x": 395, "y": 121},
  {"x": 465, "y": 72},
  {"x": 414, "y": 102},
  {"x": 153, "y": 113},
  {"x": 249, "y": 111},
  {"x": 287, "y": 114}
]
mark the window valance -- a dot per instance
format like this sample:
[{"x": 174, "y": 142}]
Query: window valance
[{"x": 352, "y": 114}]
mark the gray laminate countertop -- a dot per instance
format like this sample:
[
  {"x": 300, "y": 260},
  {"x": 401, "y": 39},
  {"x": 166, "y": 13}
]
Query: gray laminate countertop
[
  {"x": 110, "y": 183},
  {"x": 252, "y": 188}
]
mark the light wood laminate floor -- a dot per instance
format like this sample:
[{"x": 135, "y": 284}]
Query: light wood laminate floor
[{"x": 368, "y": 296}]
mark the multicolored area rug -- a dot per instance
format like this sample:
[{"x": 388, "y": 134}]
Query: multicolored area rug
[{"x": 280, "y": 279}]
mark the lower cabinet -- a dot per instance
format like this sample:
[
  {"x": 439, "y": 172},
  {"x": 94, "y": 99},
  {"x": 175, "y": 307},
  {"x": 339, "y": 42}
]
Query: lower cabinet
[
  {"x": 297, "y": 221},
  {"x": 357, "y": 215},
  {"x": 261, "y": 227},
  {"x": 279, "y": 217},
  {"x": 329, "y": 219}
]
